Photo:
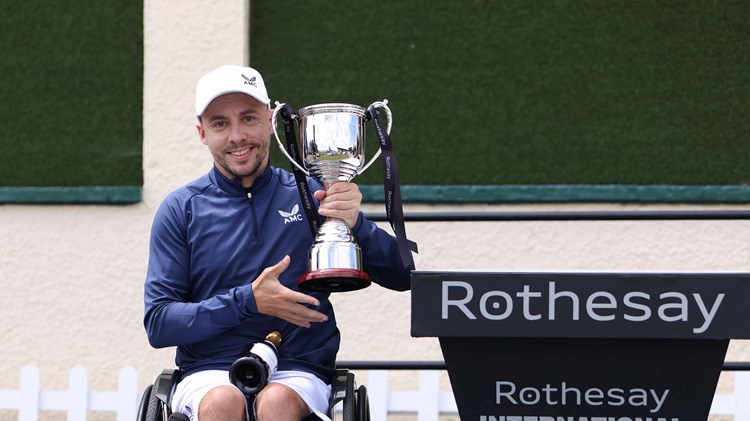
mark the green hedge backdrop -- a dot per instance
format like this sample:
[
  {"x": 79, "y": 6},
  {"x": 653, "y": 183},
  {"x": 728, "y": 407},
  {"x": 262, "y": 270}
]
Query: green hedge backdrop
[
  {"x": 529, "y": 93},
  {"x": 71, "y": 96},
  {"x": 492, "y": 100}
]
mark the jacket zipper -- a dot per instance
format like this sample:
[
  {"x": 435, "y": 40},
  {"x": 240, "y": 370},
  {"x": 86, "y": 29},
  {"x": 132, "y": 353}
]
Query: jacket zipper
[{"x": 252, "y": 211}]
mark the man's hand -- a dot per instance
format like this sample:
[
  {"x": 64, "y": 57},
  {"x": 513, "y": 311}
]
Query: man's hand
[
  {"x": 341, "y": 200},
  {"x": 274, "y": 299}
]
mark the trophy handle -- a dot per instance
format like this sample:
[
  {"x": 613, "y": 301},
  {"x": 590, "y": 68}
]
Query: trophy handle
[
  {"x": 276, "y": 110},
  {"x": 389, "y": 119}
]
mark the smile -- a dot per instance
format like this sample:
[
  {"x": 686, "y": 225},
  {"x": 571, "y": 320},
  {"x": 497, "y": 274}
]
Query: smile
[{"x": 241, "y": 152}]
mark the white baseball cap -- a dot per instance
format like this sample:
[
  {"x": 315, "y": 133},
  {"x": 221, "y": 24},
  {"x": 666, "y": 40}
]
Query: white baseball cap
[{"x": 227, "y": 79}]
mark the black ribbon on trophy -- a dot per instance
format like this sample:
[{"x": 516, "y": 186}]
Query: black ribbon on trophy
[
  {"x": 392, "y": 189},
  {"x": 300, "y": 178}
]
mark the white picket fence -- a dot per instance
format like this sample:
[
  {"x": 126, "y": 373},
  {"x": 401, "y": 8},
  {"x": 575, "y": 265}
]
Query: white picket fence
[
  {"x": 77, "y": 400},
  {"x": 428, "y": 402}
]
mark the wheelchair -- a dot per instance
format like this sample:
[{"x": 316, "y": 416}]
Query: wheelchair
[{"x": 156, "y": 399}]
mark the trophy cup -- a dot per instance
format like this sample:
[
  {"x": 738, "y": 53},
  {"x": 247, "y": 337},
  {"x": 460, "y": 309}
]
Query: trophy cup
[{"x": 332, "y": 145}]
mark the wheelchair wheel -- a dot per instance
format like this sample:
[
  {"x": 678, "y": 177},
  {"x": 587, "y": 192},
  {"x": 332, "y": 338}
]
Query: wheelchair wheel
[
  {"x": 350, "y": 400},
  {"x": 154, "y": 404},
  {"x": 143, "y": 406},
  {"x": 363, "y": 404},
  {"x": 356, "y": 404},
  {"x": 155, "y": 410}
]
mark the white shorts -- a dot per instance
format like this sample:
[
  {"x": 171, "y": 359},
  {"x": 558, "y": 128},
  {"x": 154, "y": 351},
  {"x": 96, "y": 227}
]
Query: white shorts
[{"x": 190, "y": 390}]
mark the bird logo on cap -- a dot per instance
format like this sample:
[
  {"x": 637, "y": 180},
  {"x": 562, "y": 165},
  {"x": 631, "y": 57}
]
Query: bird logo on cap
[{"x": 249, "y": 81}]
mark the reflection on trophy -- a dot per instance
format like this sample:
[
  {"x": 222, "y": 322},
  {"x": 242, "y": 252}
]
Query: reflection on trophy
[{"x": 332, "y": 144}]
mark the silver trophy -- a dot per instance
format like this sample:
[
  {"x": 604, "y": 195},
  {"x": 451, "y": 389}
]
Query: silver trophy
[{"x": 332, "y": 143}]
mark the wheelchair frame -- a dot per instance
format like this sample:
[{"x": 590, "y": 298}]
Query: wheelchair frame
[{"x": 156, "y": 398}]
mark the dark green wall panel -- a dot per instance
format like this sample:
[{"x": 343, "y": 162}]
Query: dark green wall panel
[
  {"x": 528, "y": 93},
  {"x": 71, "y": 95}
]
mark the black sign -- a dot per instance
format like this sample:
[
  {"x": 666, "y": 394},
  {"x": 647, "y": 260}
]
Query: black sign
[
  {"x": 582, "y": 305},
  {"x": 557, "y": 346},
  {"x": 502, "y": 379}
]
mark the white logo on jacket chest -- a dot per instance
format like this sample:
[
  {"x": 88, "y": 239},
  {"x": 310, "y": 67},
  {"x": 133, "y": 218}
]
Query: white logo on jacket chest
[{"x": 291, "y": 216}]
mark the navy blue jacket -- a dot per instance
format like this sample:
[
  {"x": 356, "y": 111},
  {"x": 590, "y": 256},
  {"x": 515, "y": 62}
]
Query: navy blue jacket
[{"x": 210, "y": 239}]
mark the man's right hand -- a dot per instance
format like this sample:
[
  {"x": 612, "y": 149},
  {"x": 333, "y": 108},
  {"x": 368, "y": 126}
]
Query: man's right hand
[{"x": 274, "y": 299}]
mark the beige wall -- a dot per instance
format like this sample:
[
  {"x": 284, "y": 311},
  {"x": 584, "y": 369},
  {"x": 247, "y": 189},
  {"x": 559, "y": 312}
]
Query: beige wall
[{"x": 72, "y": 275}]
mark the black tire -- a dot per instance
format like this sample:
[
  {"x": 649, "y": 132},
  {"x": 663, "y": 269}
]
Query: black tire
[
  {"x": 349, "y": 412},
  {"x": 158, "y": 401},
  {"x": 363, "y": 404},
  {"x": 155, "y": 410},
  {"x": 143, "y": 405}
]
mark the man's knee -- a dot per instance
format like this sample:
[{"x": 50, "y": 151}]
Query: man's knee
[
  {"x": 277, "y": 401},
  {"x": 222, "y": 403}
]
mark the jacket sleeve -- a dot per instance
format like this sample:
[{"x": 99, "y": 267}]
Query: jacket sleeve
[
  {"x": 381, "y": 257},
  {"x": 169, "y": 318}
]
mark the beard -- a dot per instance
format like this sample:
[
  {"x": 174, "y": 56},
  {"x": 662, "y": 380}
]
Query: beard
[{"x": 254, "y": 166}]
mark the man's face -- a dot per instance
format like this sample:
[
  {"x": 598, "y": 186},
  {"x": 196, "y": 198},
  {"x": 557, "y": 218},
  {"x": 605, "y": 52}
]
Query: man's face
[{"x": 237, "y": 130}]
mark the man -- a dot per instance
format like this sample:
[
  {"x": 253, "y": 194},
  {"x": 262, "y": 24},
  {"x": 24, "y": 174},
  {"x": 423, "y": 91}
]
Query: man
[{"x": 223, "y": 264}]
